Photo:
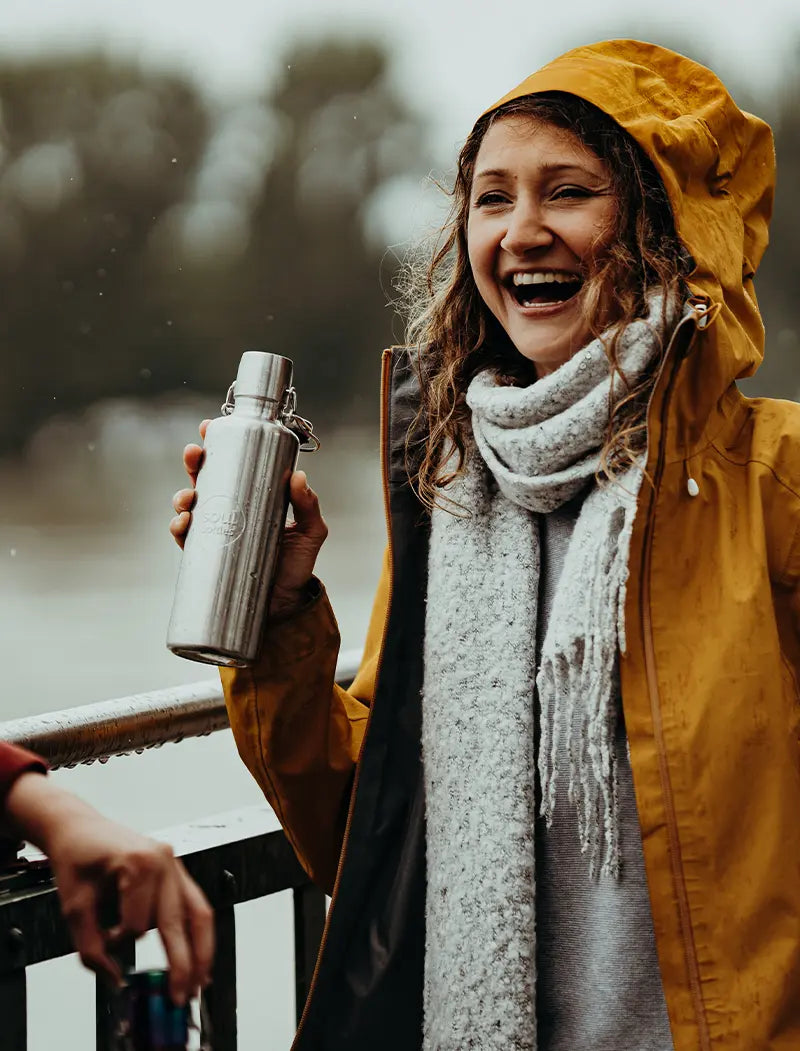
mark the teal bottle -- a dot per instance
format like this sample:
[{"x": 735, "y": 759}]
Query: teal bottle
[{"x": 150, "y": 1020}]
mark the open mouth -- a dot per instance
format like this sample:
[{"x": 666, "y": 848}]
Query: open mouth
[{"x": 543, "y": 287}]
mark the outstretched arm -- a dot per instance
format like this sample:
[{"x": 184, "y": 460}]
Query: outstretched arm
[{"x": 90, "y": 855}]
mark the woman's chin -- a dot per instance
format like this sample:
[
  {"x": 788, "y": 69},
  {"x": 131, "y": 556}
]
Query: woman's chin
[{"x": 549, "y": 349}]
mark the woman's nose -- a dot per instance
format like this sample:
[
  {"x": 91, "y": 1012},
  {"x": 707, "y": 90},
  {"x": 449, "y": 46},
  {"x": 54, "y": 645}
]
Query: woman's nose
[{"x": 526, "y": 230}]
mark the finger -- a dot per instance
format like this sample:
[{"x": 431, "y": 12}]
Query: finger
[
  {"x": 139, "y": 878},
  {"x": 171, "y": 922},
  {"x": 204, "y": 428},
  {"x": 178, "y": 526},
  {"x": 184, "y": 499},
  {"x": 305, "y": 505},
  {"x": 200, "y": 925},
  {"x": 192, "y": 460},
  {"x": 88, "y": 938}
]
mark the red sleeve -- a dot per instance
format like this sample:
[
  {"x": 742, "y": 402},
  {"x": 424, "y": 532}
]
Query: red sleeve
[{"x": 13, "y": 762}]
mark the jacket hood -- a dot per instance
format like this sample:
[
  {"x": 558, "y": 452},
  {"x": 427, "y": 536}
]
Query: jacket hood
[{"x": 717, "y": 164}]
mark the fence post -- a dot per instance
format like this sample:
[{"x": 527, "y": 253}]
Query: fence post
[
  {"x": 13, "y": 1011},
  {"x": 309, "y": 923},
  {"x": 220, "y": 997},
  {"x": 125, "y": 955}
]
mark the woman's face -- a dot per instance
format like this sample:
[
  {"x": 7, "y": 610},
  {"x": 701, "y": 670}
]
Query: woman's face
[{"x": 541, "y": 206}]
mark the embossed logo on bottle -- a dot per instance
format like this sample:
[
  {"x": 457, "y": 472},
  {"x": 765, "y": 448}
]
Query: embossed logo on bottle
[{"x": 220, "y": 517}]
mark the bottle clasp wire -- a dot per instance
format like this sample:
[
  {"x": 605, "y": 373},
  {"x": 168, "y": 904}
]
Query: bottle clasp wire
[
  {"x": 227, "y": 406},
  {"x": 304, "y": 429}
]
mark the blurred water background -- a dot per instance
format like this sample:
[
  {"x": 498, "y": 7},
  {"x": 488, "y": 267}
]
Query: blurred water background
[{"x": 160, "y": 213}]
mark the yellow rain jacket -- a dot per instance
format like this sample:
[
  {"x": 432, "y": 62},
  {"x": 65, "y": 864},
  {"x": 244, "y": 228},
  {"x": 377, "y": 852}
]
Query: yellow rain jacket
[{"x": 710, "y": 680}]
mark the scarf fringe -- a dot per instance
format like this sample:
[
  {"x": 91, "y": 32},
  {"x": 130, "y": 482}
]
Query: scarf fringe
[
  {"x": 578, "y": 677},
  {"x": 534, "y": 449}
]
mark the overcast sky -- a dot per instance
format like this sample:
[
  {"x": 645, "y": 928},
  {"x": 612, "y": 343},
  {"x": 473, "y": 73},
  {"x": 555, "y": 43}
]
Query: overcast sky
[{"x": 453, "y": 57}]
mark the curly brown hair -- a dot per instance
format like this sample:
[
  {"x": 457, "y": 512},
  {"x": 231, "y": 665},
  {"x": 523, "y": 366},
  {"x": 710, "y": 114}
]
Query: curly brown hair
[{"x": 457, "y": 336}]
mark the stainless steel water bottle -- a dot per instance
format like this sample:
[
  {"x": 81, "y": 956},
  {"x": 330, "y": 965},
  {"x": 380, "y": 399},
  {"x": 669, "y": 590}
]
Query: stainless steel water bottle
[{"x": 239, "y": 514}]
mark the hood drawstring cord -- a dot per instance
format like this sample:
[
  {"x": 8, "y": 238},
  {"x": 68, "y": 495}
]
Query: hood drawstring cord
[
  {"x": 692, "y": 487},
  {"x": 706, "y": 311}
]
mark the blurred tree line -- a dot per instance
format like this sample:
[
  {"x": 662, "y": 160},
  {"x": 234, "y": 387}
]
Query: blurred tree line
[{"x": 147, "y": 238}]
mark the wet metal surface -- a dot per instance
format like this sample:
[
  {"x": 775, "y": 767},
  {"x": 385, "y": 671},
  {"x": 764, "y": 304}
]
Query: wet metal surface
[{"x": 130, "y": 724}]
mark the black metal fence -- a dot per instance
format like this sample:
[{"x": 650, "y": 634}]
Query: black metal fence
[{"x": 236, "y": 858}]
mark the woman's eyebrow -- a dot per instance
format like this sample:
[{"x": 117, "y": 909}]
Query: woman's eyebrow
[
  {"x": 548, "y": 168},
  {"x": 554, "y": 168},
  {"x": 491, "y": 173}
]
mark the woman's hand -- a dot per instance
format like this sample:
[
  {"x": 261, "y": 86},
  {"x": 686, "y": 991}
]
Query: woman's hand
[
  {"x": 183, "y": 500},
  {"x": 302, "y": 538},
  {"x": 90, "y": 854}
]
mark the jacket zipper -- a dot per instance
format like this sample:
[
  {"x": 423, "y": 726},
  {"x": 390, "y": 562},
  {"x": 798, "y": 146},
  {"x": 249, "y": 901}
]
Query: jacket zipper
[
  {"x": 690, "y": 954},
  {"x": 386, "y": 365}
]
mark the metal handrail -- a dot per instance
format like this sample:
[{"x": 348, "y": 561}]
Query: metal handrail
[{"x": 98, "y": 731}]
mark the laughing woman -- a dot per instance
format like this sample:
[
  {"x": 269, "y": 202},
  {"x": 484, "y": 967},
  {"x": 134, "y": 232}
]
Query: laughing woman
[{"x": 558, "y": 807}]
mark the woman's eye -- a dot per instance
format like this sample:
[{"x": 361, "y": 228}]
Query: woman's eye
[
  {"x": 490, "y": 197},
  {"x": 572, "y": 191}
]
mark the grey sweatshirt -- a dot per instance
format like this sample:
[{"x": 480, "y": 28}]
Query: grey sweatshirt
[{"x": 598, "y": 981}]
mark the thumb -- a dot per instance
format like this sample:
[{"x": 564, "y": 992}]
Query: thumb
[{"x": 305, "y": 505}]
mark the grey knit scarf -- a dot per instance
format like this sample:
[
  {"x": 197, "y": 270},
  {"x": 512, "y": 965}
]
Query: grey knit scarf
[{"x": 533, "y": 449}]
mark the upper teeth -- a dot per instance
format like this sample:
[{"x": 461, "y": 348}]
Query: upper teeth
[{"x": 541, "y": 277}]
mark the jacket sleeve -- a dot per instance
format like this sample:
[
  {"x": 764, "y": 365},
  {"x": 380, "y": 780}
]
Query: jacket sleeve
[
  {"x": 298, "y": 733},
  {"x": 13, "y": 762}
]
